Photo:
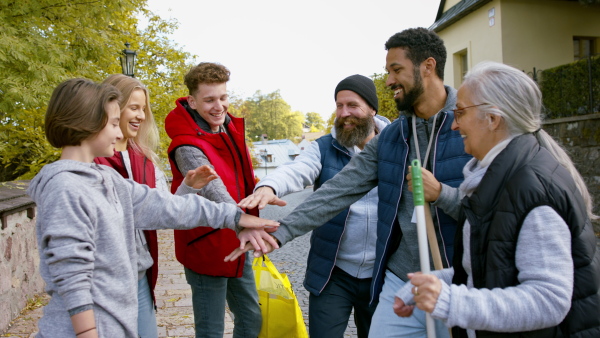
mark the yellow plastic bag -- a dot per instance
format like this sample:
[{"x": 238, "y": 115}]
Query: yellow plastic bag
[{"x": 281, "y": 314}]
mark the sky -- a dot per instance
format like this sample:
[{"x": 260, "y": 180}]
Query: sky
[{"x": 301, "y": 48}]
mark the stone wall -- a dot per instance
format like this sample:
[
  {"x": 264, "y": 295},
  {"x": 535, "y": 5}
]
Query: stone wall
[
  {"x": 19, "y": 260},
  {"x": 580, "y": 136}
]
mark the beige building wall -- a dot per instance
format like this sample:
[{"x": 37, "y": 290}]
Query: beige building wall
[
  {"x": 474, "y": 37},
  {"x": 524, "y": 34},
  {"x": 540, "y": 33},
  {"x": 449, "y": 3}
]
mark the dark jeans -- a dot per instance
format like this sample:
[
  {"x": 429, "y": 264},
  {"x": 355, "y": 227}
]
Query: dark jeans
[
  {"x": 208, "y": 300},
  {"x": 328, "y": 313}
]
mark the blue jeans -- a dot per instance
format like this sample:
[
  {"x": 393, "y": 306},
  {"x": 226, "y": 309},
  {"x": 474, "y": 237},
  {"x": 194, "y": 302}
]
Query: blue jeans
[
  {"x": 328, "y": 313},
  {"x": 208, "y": 300},
  {"x": 386, "y": 323},
  {"x": 146, "y": 315}
]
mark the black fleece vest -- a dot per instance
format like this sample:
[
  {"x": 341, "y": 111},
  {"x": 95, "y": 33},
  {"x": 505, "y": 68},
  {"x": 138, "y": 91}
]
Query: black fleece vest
[{"x": 522, "y": 177}]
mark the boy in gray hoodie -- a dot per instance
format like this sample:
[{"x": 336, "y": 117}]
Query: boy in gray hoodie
[{"x": 87, "y": 214}]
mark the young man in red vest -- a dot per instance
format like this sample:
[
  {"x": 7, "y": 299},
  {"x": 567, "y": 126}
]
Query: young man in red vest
[{"x": 203, "y": 132}]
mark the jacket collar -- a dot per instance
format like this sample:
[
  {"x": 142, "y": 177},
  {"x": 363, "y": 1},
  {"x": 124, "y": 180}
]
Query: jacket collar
[
  {"x": 199, "y": 120},
  {"x": 509, "y": 161}
]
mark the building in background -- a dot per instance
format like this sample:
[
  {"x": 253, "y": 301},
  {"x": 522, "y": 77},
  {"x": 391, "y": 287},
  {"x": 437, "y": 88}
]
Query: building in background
[
  {"x": 525, "y": 34},
  {"x": 273, "y": 153}
]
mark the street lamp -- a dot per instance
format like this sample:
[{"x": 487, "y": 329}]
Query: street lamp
[
  {"x": 264, "y": 154},
  {"x": 128, "y": 61}
]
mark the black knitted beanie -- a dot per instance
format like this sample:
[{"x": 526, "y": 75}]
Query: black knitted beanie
[{"x": 362, "y": 86}]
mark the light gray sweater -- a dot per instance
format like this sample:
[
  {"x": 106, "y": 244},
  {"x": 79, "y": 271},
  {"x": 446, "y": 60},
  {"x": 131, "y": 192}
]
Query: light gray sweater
[{"x": 86, "y": 240}]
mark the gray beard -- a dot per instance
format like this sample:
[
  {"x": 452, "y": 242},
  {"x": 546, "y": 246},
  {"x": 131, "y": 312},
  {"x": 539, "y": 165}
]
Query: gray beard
[{"x": 357, "y": 135}]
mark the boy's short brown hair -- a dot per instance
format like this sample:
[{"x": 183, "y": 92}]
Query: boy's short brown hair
[
  {"x": 205, "y": 72},
  {"x": 77, "y": 111}
]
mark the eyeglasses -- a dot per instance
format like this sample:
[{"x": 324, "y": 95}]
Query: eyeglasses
[{"x": 459, "y": 112}]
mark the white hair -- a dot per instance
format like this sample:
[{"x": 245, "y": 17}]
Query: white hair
[{"x": 511, "y": 94}]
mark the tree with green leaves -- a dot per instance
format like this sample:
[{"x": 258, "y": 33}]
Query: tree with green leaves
[
  {"x": 330, "y": 123},
  {"x": 45, "y": 42},
  {"x": 270, "y": 114},
  {"x": 387, "y": 105},
  {"x": 314, "y": 121}
]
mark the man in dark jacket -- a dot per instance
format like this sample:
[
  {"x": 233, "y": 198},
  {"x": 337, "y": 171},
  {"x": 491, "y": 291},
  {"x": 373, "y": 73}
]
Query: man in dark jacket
[{"x": 203, "y": 132}]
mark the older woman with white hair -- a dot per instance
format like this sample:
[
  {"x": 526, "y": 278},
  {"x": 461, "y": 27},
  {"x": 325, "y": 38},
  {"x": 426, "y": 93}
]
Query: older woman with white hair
[{"x": 526, "y": 261}]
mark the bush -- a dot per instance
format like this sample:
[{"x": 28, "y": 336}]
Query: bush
[{"x": 566, "y": 92}]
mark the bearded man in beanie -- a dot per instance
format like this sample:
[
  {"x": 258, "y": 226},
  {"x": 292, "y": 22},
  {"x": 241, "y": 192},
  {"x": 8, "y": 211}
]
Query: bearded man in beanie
[{"x": 342, "y": 253}]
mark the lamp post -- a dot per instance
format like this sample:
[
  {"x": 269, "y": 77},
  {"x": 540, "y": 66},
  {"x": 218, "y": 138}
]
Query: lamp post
[
  {"x": 266, "y": 158},
  {"x": 264, "y": 155},
  {"x": 128, "y": 61}
]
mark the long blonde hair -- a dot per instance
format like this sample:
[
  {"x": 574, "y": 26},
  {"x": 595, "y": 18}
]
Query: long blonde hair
[{"x": 147, "y": 139}]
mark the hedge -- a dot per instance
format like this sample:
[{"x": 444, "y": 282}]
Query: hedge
[{"x": 565, "y": 89}]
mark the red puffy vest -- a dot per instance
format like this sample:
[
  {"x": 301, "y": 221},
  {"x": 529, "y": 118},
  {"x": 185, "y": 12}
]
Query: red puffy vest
[{"x": 203, "y": 249}]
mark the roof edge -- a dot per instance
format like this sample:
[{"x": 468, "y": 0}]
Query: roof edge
[
  {"x": 455, "y": 13},
  {"x": 440, "y": 11}
]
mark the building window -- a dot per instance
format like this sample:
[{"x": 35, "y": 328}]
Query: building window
[
  {"x": 583, "y": 47},
  {"x": 461, "y": 66},
  {"x": 464, "y": 65}
]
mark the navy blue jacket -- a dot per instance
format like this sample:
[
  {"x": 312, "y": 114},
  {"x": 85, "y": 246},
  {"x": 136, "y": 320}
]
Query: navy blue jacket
[{"x": 392, "y": 158}]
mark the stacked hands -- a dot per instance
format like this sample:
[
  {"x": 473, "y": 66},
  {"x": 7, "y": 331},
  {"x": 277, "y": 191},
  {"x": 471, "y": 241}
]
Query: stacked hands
[
  {"x": 256, "y": 229},
  {"x": 426, "y": 289},
  {"x": 258, "y": 239}
]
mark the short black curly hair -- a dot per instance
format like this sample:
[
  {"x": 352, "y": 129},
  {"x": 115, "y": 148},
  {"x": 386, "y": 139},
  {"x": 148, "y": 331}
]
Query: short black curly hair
[{"x": 420, "y": 44}]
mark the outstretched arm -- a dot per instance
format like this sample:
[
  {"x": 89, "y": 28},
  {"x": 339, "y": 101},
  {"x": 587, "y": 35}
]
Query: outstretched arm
[
  {"x": 292, "y": 176},
  {"x": 357, "y": 178}
]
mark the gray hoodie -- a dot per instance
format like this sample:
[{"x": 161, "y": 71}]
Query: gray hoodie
[{"x": 86, "y": 240}]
